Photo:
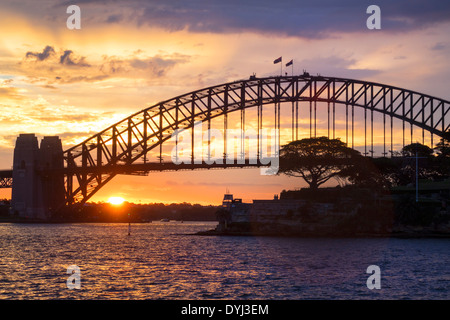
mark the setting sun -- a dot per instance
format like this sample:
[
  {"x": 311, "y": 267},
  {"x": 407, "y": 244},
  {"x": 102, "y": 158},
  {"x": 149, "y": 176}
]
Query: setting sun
[{"x": 116, "y": 200}]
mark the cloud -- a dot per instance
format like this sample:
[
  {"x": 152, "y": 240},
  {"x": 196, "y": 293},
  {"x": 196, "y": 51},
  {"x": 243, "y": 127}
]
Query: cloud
[
  {"x": 310, "y": 19},
  {"x": 37, "y": 115},
  {"x": 114, "y": 18},
  {"x": 76, "y": 79},
  {"x": 62, "y": 117},
  {"x": 440, "y": 46},
  {"x": 303, "y": 18},
  {"x": 335, "y": 65},
  {"x": 67, "y": 67},
  {"x": 67, "y": 59},
  {"x": 41, "y": 56},
  {"x": 141, "y": 67},
  {"x": 8, "y": 91}
]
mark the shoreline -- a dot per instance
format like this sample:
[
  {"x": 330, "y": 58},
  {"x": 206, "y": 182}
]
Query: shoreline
[
  {"x": 359, "y": 235},
  {"x": 396, "y": 235},
  {"x": 105, "y": 221}
]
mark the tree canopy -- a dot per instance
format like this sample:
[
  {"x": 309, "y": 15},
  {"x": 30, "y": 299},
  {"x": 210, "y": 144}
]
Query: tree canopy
[
  {"x": 443, "y": 147},
  {"x": 413, "y": 149},
  {"x": 317, "y": 160}
]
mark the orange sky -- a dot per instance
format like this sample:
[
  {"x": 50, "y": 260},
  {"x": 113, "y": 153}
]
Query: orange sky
[{"x": 73, "y": 83}]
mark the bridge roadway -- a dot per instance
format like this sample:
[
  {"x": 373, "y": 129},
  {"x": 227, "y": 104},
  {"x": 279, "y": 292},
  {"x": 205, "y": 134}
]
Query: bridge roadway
[
  {"x": 145, "y": 168},
  {"x": 137, "y": 168}
]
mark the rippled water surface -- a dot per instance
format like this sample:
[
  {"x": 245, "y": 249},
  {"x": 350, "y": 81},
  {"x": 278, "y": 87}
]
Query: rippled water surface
[{"x": 165, "y": 261}]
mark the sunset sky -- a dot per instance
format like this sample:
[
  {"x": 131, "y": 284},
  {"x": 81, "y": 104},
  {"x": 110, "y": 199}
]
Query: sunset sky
[{"x": 129, "y": 55}]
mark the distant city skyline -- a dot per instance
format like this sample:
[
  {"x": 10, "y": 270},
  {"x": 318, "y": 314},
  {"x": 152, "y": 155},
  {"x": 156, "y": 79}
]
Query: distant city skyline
[{"x": 129, "y": 55}]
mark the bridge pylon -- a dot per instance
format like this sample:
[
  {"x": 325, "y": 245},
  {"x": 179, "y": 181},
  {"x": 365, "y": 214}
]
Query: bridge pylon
[{"x": 38, "y": 179}]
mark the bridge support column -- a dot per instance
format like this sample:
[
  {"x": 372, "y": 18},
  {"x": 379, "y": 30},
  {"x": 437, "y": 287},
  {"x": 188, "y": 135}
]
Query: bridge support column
[{"x": 38, "y": 185}]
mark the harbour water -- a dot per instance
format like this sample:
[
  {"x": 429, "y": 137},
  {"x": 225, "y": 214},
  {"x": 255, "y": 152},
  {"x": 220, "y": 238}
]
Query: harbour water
[{"x": 164, "y": 260}]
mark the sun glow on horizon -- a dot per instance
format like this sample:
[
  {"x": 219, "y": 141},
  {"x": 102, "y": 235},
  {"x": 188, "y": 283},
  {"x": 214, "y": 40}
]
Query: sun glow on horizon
[{"x": 117, "y": 201}]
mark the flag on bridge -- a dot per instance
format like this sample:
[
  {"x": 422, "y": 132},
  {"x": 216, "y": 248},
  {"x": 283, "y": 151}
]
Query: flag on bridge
[
  {"x": 277, "y": 60},
  {"x": 289, "y": 63}
]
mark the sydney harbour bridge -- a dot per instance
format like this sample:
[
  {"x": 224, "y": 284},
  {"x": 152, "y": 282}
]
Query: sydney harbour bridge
[{"x": 365, "y": 115}]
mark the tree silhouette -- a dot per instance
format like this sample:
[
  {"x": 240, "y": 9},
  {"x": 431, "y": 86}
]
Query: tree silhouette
[
  {"x": 373, "y": 173},
  {"x": 443, "y": 147},
  {"x": 317, "y": 160},
  {"x": 427, "y": 166},
  {"x": 413, "y": 149},
  {"x": 443, "y": 155}
]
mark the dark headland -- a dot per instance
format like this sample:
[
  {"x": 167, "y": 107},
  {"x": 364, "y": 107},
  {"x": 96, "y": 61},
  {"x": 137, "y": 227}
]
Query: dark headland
[{"x": 339, "y": 212}]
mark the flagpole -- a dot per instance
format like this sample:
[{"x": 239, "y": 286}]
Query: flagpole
[
  {"x": 291, "y": 63},
  {"x": 279, "y": 60},
  {"x": 281, "y": 67}
]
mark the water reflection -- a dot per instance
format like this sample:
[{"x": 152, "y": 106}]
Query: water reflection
[{"x": 165, "y": 261}]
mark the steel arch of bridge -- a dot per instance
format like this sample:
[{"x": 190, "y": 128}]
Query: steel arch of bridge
[{"x": 124, "y": 146}]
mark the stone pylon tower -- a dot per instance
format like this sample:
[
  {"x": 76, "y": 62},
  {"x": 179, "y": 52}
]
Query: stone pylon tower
[
  {"x": 51, "y": 164},
  {"x": 38, "y": 180},
  {"x": 24, "y": 195}
]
